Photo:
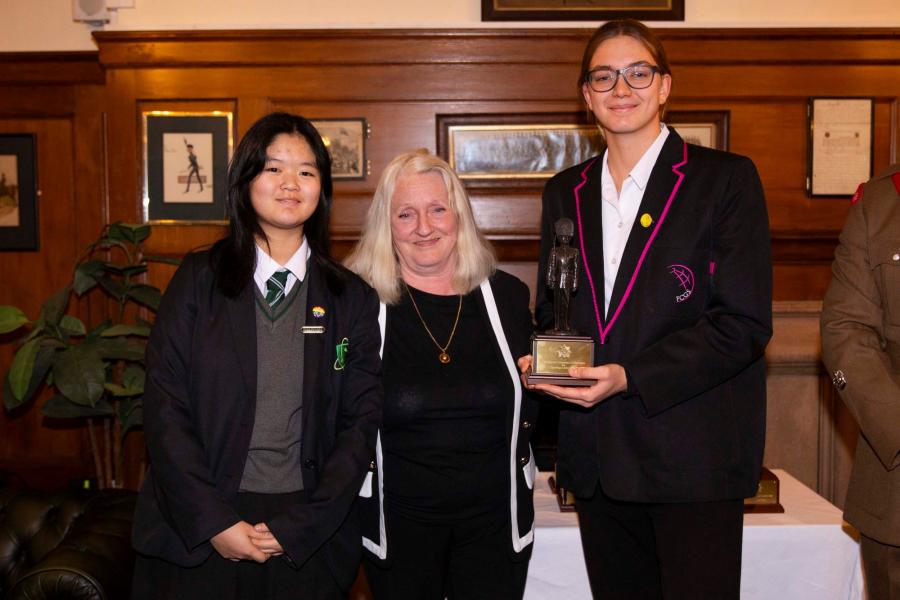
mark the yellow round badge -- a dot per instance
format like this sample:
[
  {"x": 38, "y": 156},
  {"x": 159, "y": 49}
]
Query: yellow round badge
[{"x": 646, "y": 220}]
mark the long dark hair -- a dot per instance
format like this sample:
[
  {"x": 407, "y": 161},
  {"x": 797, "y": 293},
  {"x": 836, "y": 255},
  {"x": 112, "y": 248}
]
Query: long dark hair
[{"x": 233, "y": 258}]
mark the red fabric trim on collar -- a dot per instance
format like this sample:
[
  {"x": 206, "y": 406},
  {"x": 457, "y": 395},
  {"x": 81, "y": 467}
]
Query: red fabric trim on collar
[{"x": 857, "y": 195}]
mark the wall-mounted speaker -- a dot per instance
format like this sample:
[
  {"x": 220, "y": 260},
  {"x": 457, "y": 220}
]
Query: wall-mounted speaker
[{"x": 90, "y": 11}]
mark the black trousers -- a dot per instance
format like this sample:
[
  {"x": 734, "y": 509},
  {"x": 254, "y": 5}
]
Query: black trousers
[
  {"x": 468, "y": 559},
  {"x": 275, "y": 579},
  {"x": 638, "y": 551}
]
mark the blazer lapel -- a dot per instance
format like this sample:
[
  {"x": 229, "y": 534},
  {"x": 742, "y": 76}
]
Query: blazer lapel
[
  {"x": 588, "y": 198},
  {"x": 242, "y": 318},
  {"x": 314, "y": 346},
  {"x": 662, "y": 188},
  {"x": 659, "y": 187}
]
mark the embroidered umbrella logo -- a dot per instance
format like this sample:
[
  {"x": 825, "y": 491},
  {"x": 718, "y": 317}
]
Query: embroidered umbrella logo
[
  {"x": 341, "y": 351},
  {"x": 685, "y": 278}
]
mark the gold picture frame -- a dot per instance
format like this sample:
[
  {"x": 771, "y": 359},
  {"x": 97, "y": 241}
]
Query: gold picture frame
[{"x": 525, "y": 150}]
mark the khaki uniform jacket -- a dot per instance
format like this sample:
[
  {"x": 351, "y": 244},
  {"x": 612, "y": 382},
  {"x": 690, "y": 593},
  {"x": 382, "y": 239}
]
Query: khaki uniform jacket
[{"x": 861, "y": 349}]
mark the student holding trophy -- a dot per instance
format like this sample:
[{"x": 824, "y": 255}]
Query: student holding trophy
[{"x": 674, "y": 290}]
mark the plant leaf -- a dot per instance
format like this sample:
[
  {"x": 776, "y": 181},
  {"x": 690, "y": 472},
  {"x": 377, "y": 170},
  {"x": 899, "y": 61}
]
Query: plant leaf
[
  {"x": 99, "y": 329},
  {"x": 132, "y": 383},
  {"x": 141, "y": 231},
  {"x": 131, "y": 414},
  {"x": 86, "y": 276},
  {"x": 134, "y": 376},
  {"x": 22, "y": 367},
  {"x": 147, "y": 295},
  {"x": 117, "y": 330},
  {"x": 121, "y": 232},
  {"x": 112, "y": 287},
  {"x": 72, "y": 325},
  {"x": 60, "y": 407},
  {"x": 42, "y": 364},
  {"x": 163, "y": 259},
  {"x": 11, "y": 318},
  {"x": 55, "y": 306},
  {"x": 79, "y": 374},
  {"x": 120, "y": 348},
  {"x": 132, "y": 270}
]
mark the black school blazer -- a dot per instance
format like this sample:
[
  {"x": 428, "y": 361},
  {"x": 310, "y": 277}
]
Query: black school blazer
[
  {"x": 503, "y": 301},
  {"x": 199, "y": 408},
  {"x": 689, "y": 319}
]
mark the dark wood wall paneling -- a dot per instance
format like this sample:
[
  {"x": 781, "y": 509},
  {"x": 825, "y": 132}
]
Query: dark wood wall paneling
[
  {"x": 400, "y": 80},
  {"x": 61, "y": 98}
]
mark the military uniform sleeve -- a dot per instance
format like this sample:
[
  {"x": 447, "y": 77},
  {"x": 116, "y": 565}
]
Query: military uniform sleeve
[{"x": 853, "y": 340}]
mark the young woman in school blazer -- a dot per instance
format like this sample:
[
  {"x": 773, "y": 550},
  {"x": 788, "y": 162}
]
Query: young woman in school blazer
[{"x": 263, "y": 398}]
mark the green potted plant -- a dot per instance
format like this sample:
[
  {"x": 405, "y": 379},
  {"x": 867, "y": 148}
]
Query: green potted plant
[{"x": 96, "y": 370}]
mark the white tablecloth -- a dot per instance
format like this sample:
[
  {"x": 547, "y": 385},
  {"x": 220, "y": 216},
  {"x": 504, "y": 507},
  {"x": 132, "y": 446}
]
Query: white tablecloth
[{"x": 807, "y": 552}]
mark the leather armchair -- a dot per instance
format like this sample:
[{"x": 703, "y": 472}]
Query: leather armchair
[{"x": 69, "y": 544}]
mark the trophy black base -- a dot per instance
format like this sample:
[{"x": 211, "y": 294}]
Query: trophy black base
[
  {"x": 554, "y": 353},
  {"x": 565, "y": 380}
]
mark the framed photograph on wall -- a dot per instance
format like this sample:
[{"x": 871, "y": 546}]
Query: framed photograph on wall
[
  {"x": 18, "y": 192},
  {"x": 581, "y": 10},
  {"x": 841, "y": 138},
  {"x": 524, "y": 150},
  {"x": 708, "y": 128},
  {"x": 346, "y": 143},
  {"x": 186, "y": 156}
]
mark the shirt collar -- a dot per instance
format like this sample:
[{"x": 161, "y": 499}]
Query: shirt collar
[
  {"x": 640, "y": 174},
  {"x": 296, "y": 264}
]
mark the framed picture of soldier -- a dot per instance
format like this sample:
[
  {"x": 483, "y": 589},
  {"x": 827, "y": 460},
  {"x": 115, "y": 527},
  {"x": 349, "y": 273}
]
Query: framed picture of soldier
[
  {"x": 346, "y": 143},
  {"x": 186, "y": 156},
  {"x": 18, "y": 192}
]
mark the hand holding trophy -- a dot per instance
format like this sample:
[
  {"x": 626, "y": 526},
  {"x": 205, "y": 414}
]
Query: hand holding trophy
[{"x": 555, "y": 351}]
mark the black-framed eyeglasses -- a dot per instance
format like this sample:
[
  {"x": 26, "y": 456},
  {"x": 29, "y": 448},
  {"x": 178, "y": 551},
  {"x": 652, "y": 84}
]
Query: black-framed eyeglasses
[{"x": 637, "y": 77}]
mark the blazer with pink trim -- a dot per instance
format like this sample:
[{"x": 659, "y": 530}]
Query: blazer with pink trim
[{"x": 689, "y": 319}]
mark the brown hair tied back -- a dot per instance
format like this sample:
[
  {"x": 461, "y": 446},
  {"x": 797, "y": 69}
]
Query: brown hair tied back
[{"x": 627, "y": 27}]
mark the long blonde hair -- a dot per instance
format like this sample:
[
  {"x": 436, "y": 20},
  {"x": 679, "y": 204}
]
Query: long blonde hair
[{"x": 374, "y": 258}]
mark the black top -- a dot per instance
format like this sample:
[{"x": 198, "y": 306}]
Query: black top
[{"x": 444, "y": 431}]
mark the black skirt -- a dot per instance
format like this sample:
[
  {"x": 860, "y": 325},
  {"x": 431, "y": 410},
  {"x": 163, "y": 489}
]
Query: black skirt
[{"x": 217, "y": 577}]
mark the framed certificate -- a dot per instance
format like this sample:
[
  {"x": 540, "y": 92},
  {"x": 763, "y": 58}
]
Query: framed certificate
[{"x": 840, "y": 145}]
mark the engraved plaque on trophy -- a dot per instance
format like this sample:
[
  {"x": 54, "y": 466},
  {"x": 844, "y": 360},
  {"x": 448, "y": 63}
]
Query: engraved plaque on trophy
[{"x": 554, "y": 351}]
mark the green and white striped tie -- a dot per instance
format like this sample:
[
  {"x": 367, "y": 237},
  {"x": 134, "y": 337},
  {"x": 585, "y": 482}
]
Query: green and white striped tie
[{"x": 276, "y": 287}]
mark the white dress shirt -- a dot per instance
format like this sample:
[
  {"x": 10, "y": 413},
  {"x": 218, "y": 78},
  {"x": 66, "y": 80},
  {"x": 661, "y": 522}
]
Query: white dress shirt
[
  {"x": 620, "y": 209},
  {"x": 266, "y": 266}
]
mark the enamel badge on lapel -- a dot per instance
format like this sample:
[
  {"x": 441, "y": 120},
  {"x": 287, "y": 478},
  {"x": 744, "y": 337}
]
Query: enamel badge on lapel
[
  {"x": 646, "y": 220},
  {"x": 318, "y": 312},
  {"x": 341, "y": 351}
]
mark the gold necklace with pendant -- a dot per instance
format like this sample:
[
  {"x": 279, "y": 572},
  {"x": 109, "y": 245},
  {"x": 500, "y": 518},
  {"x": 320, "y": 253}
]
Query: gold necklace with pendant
[{"x": 443, "y": 356}]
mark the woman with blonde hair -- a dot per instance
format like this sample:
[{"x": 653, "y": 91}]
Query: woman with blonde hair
[{"x": 449, "y": 504}]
